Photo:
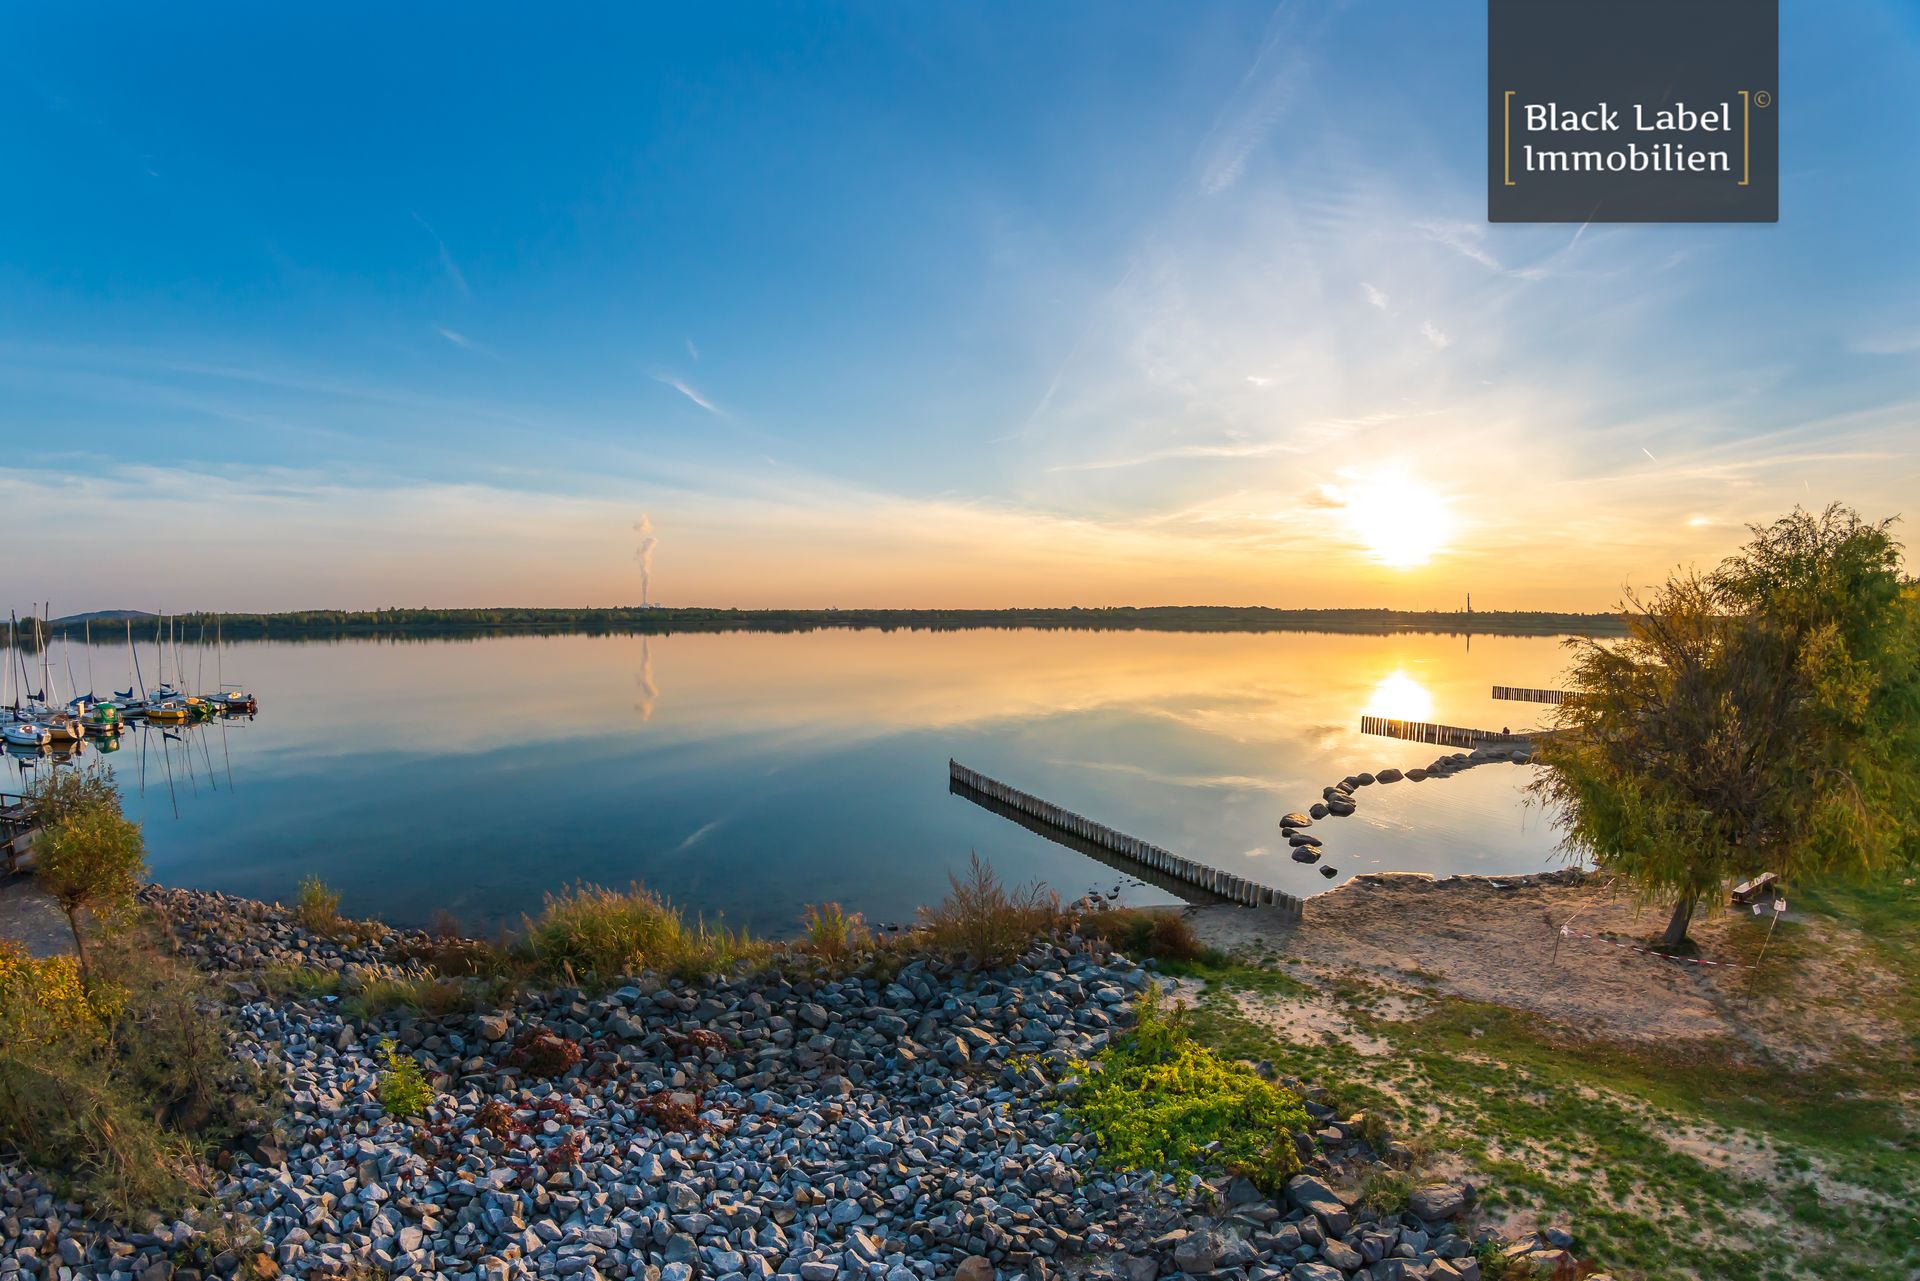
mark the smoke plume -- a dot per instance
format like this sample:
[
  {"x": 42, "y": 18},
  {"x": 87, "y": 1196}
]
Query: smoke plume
[{"x": 643, "y": 553}]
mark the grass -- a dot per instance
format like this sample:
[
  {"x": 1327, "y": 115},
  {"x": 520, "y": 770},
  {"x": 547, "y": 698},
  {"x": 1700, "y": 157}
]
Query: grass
[
  {"x": 833, "y": 935},
  {"x": 317, "y": 908},
  {"x": 982, "y": 922},
  {"x": 597, "y": 936},
  {"x": 117, "y": 1093},
  {"x": 1158, "y": 1099},
  {"x": 1617, "y": 1141},
  {"x": 1162, "y": 936}
]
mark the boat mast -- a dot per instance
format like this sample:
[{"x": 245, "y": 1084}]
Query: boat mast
[{"x": 133, "y": 669}]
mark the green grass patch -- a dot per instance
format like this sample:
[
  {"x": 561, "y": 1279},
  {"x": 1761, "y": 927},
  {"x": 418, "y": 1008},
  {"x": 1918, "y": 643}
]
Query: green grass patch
[{"x": 1159, "y": 1099}]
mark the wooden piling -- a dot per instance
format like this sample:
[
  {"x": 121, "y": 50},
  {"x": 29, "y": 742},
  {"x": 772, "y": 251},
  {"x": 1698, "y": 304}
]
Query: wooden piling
[{"x": 1210, "y": 880}]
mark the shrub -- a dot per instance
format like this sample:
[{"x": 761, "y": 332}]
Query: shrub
[
  {"x": 90, "y": 857},
  {"x": 1385, "y": 1192},
  {"x": 40, "y": 1000},
  {"x": 591, "y": 934},
  {"x": 672, "y": 1111},
  {"x": 115, "y": 1090},
  {"x": 1157, "y": 1099},
  {"x": 982, "y": 921},
  {"x": 832, "y": 933},
  {"x": 403, "y": 1090},
  {"x": 544, "y": 1053},
  {"x": 317, "y": 909},
  {"x": 496, "y": 1118},
  {"x": 1165, "y": 936},
  {"x": 452, "y": 954}
]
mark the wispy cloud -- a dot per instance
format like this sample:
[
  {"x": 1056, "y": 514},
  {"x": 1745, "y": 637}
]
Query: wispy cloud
[
  {"x": 1435, "y": 336},
  {"x": 680, "y": 385},
  {"x": 1375, "y": 295},
  {"x": 1899, "y": 342},
  {"x": 447, "y": 264},
  {"x": 453, "y": 336},
  {"x": 692, "y": 350}
]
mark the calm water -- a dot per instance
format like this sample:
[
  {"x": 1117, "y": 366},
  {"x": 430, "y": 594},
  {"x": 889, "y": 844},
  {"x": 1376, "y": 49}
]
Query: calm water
[{"x": 745, "y": 775}]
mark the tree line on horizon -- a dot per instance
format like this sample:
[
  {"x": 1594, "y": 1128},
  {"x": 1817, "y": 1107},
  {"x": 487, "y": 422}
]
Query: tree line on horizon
[{"x": 657, "y": 619}]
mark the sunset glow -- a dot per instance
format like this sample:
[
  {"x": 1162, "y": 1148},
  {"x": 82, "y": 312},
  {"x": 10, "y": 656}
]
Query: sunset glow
[{"x": 1399, "y": 522}]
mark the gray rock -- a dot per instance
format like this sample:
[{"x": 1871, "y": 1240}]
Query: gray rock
[
  {"x": 975, "y": 1267},
  {"x": 1342, "y": 1256},
  {"x": 1197, "y": 1254},
  {"x": 1437, "y": 1201},
  {"x": 1316, "y": 1198}
]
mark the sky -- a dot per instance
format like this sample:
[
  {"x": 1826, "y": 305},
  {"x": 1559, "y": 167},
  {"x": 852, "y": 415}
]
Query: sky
[{"x": 903, "y": 305}]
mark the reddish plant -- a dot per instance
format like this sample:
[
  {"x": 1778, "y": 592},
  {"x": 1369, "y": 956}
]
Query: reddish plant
[
  {"x": 699, "y": 1040},
  {"x": 544, "y": 1053},
  {"x": 672, "y": 1110},
  {"x": 496, "y": 1118}
]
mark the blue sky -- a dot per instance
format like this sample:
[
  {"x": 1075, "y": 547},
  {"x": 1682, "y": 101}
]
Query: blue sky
[{"x": 896, "y": 304}]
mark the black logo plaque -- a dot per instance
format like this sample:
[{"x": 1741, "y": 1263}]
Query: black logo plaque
[{"x": 1633, "y": 111}]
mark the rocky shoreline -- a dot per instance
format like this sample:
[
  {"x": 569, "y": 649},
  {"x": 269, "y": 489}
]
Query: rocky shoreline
[{"x": 858, "y": 1129}]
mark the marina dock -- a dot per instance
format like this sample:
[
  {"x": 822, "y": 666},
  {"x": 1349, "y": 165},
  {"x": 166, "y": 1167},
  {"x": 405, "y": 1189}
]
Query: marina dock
[{"x": 1175, "y": 873}]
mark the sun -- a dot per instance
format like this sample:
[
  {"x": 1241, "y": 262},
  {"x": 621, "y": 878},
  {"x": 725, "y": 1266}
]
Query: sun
[
  {"x": 1401, "y": 698},
  {"x": 1398, "y": 520}
]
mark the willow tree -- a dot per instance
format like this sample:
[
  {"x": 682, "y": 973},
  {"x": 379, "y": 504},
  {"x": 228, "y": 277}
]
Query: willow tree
[{"x": 1762, "y": 718}]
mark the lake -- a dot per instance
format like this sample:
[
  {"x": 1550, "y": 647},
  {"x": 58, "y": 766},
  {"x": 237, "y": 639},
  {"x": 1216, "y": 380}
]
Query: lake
[{"x": 746, "y": 774}]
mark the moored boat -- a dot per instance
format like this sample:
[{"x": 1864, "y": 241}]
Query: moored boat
[{"x": 25, "y": 734}]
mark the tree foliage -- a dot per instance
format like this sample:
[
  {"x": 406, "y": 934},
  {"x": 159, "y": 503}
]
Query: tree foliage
[
  {"x": 89, "y": 856},
  {"x": 1761, "y": 718}
]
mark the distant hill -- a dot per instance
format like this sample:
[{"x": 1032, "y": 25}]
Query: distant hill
[{"x": 102, "y": 616}]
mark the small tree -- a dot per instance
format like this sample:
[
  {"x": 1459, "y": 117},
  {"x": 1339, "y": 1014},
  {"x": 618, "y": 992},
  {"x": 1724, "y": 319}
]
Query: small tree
[
  {"x": 1762, "y": 718},
  {"x": 90, "y": 856}
]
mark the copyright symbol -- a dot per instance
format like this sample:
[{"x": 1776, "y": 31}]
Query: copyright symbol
[{"x": 1763, "y": 99}]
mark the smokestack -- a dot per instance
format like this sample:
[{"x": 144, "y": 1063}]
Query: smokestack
[{"x": 644, "y": 555}]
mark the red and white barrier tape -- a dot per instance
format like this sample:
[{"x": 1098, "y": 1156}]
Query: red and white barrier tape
[{"x": 1566, "y": 933}]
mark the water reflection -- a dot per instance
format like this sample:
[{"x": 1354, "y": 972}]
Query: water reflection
[
  {"x": 748, "y": 774},
  {"x": 1402, "y": 698}
]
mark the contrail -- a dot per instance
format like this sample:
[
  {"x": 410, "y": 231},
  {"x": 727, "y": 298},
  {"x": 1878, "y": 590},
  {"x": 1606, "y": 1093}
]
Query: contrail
[{"x": 644, "y": 554}]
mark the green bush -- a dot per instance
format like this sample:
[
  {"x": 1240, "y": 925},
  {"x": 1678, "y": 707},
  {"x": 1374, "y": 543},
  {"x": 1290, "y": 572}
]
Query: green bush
[
  {"x": 983, "y": 921},
  {"x": 317, "y": 910},
  {"x": 1385, "y": 1192},
  {"x": 1162, "y": 935},
  {"x": 591, "y": 934},
  {"x": 115, "y": 1091},
  {"x": 832, "y": 933},
  {"x": 1157, "y": 1099},
  {"x": 403, "y": 1090}
]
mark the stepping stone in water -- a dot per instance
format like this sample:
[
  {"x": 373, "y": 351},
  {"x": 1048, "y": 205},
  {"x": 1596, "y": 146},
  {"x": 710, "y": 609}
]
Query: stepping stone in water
[
  {"x": 1296, "y": 819},
  {"x": 1305, "y": 854},
  {"x": 1303, "y": 838},
  {"x": 1329, "y": 871},
  {"x": 1390, "y": 776}
]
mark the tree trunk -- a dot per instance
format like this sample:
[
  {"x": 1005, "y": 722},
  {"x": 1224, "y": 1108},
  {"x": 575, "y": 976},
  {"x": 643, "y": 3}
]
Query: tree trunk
[
  {"x": 80, "y": 950},
  {"x": 1676, "y": 935}
]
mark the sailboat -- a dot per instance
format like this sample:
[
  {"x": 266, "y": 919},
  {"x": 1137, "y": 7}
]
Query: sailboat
[
  {"x": 15, "y": 730},
  {"x": 230, "y": 700}
]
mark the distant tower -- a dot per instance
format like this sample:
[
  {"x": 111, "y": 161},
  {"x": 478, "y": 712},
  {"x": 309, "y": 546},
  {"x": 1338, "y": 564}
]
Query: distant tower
[{"x": 1469, "y": 602}]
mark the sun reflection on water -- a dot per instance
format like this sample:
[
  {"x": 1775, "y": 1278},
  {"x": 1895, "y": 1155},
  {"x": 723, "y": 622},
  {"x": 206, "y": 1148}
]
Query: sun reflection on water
[{"x": 1400, "y": 697}]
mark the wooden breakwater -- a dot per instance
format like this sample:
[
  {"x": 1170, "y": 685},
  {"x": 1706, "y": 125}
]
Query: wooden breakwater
[
  {"x": 1444, "y": 735},
  {"x": 1521, "y": 694},
  {"x": 1167, "y": 865}
]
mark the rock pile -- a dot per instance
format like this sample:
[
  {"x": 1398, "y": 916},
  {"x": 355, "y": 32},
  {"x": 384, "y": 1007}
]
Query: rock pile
[
  {"x": 1339, "y": 800},
  {"x": 861, "y": 1129}
]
